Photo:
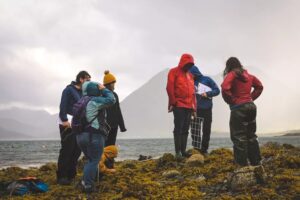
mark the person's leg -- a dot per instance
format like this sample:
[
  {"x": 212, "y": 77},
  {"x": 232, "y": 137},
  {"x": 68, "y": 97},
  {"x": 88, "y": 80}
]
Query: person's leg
[
  {"x": 238, "y": 134},
  {"x": 185, "y": 130},
  {"x": 178, "y": 124},
  {"x": 196, "y": 131},
  {"x": 64, "y": 155},
  {"x": 94, "y": 152},
  {"x": 74, "y": 157},
  {"x": 253, "y": 146},
  {"x": 207, "y": 115},
  {"x": 112, "y": 137}
]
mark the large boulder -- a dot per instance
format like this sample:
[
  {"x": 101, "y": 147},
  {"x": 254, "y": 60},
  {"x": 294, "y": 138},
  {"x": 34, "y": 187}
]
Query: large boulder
[
  {"x": 245, "y": 177},
  {"x": 195, "y": 160}
]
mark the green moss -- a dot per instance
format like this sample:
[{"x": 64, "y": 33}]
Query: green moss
[{"x": 144, "y": 180}]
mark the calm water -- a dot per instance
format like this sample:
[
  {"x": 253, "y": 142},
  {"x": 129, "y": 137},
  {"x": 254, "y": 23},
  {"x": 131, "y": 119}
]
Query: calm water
[{"x": 36, "y": 153}]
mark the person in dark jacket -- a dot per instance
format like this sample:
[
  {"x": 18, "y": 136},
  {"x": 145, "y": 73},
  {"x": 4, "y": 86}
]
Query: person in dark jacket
[
  {"x": 239, "y": 90},
  {"x": 114, "y": 115},
  {"x": 206, "y": 89},
  {"x": 182, "y": 101},
  {"x": 69, "y": 152}
]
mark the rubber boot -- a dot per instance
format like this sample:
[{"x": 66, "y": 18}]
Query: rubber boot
[
  {"x": 177, "y": 145},
  {"x": 183, "y": 140}
]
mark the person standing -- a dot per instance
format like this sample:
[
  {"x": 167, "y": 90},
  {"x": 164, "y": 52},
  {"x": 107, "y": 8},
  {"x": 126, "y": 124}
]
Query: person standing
[
  {"x": 92, "y": 140},
  {"x": 182, "y": 101},
  {"x": 69, "y": 151},
  {"x": 114, "y": 115},
  {"x": 239, "y": 90},
  {"x": 206, "y": 89}
]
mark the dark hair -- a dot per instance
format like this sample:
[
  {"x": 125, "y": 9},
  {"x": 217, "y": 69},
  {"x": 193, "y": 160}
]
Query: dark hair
[
  {"x": 233, "y": 64},
  {"x": 82, "y": 74}
]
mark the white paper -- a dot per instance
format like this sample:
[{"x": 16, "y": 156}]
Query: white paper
[{"x": 201, "y": 88}]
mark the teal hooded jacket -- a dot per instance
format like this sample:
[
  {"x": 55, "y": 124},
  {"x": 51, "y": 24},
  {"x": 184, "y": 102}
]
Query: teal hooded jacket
[{"x": 100, "y": 100}]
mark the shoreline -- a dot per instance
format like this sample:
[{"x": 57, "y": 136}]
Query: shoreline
[{"x": 206, "y": 180}]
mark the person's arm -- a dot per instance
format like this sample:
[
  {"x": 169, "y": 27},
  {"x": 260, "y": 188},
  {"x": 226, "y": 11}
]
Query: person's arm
[
  {"x": 226, "y": 88},
  {"x": 63, "y": 105},
  {"x": 107, "y": 99},
  {"x": 258, "y": 88},
  {"x": 103, "y": 168},
  {"x": 215, "y": 91},
  {"x": 171, "y": 89},
  {"x": 119, "y": 115}
]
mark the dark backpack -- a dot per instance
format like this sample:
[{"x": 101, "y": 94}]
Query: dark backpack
[
  {"x": 27, "y": 185},
  {"x": 79, "y": 121}
]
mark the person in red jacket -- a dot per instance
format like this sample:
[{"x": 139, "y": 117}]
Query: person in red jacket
[
  {"x": 182, "y": 101},
  {"x": 239, "y": 90}
]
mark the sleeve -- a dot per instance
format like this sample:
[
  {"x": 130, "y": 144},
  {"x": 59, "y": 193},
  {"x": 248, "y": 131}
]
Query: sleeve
[
  {"x": 108, "y": 99},
  {"x": 119, "y": 114},
  {"x": 215, "y": 91},
  {"x": 226, "y": 88},
  {"x": 63, "y": 105},
  {"x": 171, "y": 88},
  {"x": 258, "y": 88},
  {"x": 102, "y": 166}
]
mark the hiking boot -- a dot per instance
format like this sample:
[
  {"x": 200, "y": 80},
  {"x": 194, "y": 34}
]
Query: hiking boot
[
  {"x": 64, "y": 181},
  {"x": 85, "y": 188}
]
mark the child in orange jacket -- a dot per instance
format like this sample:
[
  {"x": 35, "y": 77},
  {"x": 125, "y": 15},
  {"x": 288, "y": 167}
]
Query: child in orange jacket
[{"x": 106, "y": 165}]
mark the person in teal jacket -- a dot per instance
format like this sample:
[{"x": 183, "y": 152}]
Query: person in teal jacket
[{"x": 92, "y": 140}]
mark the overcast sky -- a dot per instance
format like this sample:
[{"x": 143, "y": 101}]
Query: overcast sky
[{"x": 44, "y": 44}]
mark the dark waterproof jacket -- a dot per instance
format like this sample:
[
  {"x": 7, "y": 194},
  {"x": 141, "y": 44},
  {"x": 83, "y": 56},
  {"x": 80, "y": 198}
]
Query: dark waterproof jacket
[
  {"x": 204, "y": 102},
  {"x": 237, "y": 89},
  {"x": 114, "y": 115},
  {"x": 180, "y": 86},
  {"x": 69, "y": 97}
]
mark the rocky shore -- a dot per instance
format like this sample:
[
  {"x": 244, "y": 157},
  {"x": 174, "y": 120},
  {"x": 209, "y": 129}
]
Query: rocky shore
[{"x": 211, "y": 177}]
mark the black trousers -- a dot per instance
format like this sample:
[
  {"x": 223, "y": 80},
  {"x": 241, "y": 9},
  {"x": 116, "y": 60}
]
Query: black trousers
[
  {"x": 182, "y": 119},
  {"x": 112, "y": 137},
  {"x": 242, "y": 133},
  {"x": 68, "y": 154},
  {"x": 197, "y": 142}
]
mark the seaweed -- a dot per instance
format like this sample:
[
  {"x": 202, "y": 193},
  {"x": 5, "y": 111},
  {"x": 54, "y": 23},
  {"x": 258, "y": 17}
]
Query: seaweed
[{"x": 145, "y": 180}]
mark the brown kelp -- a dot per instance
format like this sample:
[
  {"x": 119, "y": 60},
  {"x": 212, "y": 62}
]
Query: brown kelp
[{"x": 170, "y": 178}]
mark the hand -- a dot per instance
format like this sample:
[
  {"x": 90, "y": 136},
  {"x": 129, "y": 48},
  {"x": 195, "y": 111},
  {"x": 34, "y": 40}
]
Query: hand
[
  {"x": 123, "y": 130},
  {"x": 113, "y": 170},
  {"x": 66, "y": 124},
  {"x": 101, "y": 87},
  {"x": 194, "y": 114},
  {"x": 204, "y": 95},
  {"x": 170, "y": 109}
]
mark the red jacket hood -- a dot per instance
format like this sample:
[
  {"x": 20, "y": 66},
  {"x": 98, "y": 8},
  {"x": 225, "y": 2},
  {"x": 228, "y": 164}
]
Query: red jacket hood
[
  {"x": 185, "y": 59},
  {"x": 244, "y": 76}
]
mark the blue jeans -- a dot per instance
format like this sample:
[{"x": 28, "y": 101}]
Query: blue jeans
[{"x": 92, "y": 146}]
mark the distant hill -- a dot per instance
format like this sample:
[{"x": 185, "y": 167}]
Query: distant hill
[
  {"x": 25, "y": 123},
  {"x": 146, "y": 116},
  {"x": 145, "y": 110}
]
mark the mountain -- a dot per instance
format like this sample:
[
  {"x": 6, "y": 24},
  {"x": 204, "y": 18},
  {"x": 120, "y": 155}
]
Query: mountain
[
  {"x": 146, "y": 116},
  {"x": 145, "y": 112},
  {"x": 33, "y": 123},
  {"x": 11, "y": 135}
]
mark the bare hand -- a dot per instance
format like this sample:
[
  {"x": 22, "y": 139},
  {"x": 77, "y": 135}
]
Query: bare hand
[
  {"x": 113, "y": 170},
  {"x": 66, "y": 124},
  {"x": 204, "y": 95},
  {"x": 170, "y": 109},
  {"x": 101, "y": 87},
  {"x": 194, "y": 114}
]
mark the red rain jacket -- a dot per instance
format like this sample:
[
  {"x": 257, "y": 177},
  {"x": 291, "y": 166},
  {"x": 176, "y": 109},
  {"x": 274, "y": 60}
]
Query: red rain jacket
[
  {"x": 236, "y": 89},
  {"x": 180, "y": 86}
]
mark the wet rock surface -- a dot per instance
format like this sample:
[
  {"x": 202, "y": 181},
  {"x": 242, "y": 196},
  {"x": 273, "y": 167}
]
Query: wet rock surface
[{"x": 213, "y": 179}]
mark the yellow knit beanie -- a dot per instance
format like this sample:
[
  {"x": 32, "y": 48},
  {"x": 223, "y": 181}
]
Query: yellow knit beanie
[{"x": 108, "y": 78}]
